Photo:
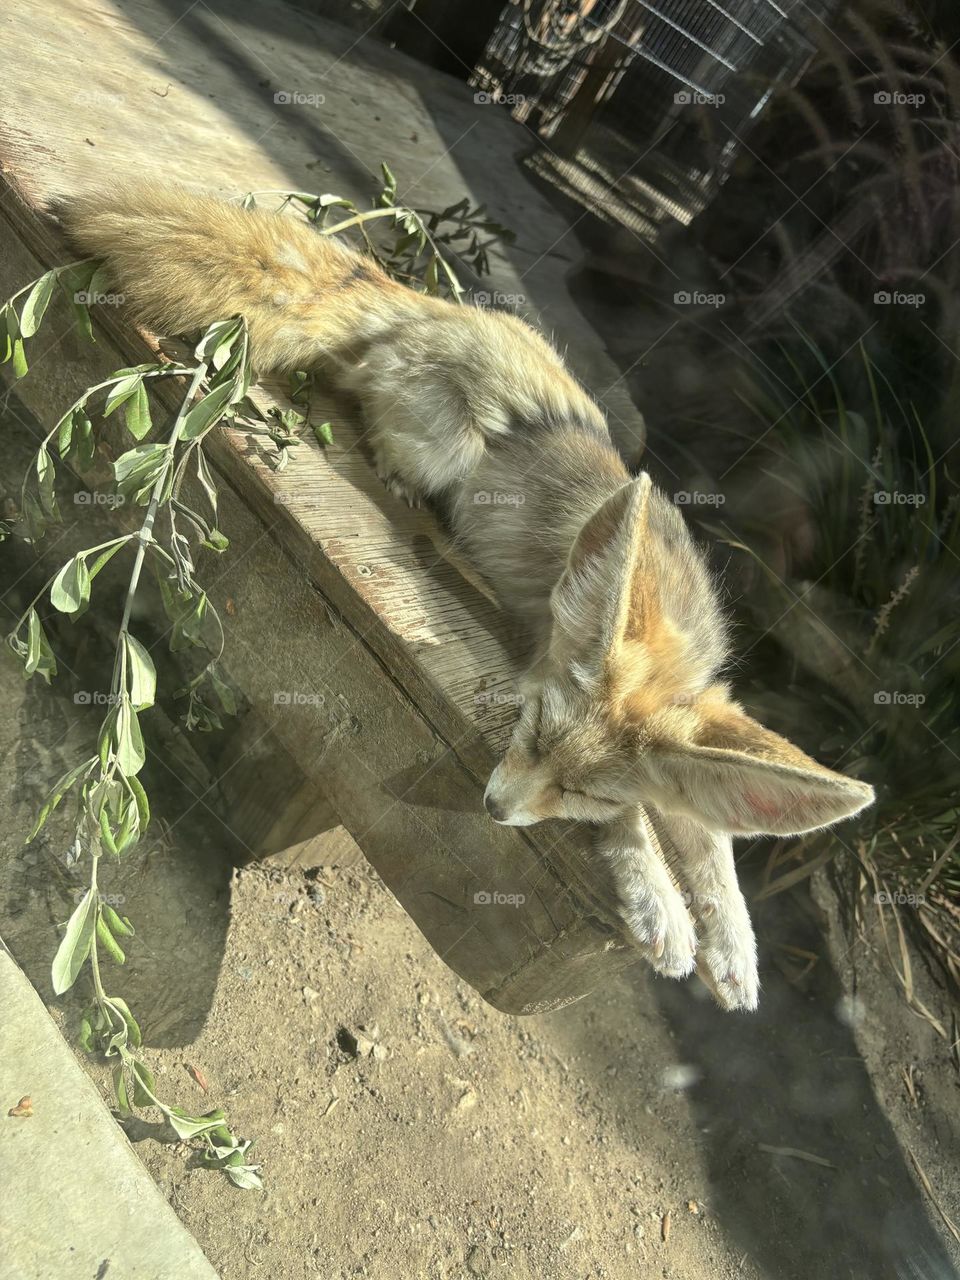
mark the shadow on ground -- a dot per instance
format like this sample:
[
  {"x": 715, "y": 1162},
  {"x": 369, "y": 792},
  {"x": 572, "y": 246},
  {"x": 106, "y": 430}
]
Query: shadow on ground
[{"x": 837, "y": 1198}]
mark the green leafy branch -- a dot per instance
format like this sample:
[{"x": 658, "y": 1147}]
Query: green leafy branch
[
  {"x": 417, "y": 251},
  {"x": 112, "y": 809},
  {"x": 79, "y": 281}
]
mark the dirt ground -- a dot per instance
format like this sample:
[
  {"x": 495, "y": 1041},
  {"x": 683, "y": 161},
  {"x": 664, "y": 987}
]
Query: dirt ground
[{"x": 638, "y": 1133}]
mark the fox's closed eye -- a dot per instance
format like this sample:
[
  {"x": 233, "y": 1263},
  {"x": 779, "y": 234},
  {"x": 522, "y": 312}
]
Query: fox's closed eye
[{"x": 586, "y": 795}]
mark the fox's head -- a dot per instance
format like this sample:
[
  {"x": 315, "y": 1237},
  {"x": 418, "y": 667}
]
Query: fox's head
[{"x": 625, "y": 707}]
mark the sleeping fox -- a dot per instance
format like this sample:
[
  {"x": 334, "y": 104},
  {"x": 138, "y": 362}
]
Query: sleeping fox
[{"x": 622, "y": 706}]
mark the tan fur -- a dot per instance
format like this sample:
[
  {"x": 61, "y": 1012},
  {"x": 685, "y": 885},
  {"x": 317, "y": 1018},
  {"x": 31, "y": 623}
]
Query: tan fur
[{"x": 474, "y": 408}]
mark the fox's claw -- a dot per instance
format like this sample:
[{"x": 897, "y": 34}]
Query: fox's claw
[
  {"x": 661, "y": 923},
  {"x": 727, "y": 960},
  {"x": 398, "y": 486}
]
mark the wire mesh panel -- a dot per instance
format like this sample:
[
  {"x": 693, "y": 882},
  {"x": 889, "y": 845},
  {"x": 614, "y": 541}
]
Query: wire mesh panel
[{"x": 686, "y": 77}]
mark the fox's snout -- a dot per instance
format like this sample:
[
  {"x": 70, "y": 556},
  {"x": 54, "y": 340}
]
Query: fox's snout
[
  {"x": 496, "y": 810},
  {"x": 512, "y": 799}
]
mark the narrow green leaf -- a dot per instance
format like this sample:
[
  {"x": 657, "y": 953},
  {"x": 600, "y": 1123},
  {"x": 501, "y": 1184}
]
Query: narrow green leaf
[
  {"x": 189, "y": 1126},
  {"x": 292, "y": 419},
  {"x": 34, "y": 633},
  {"x": 299, "y": 386},
  {"x": 121, "y": 393},
  {"x": 133, "y": 1027},
  {"x": 206, "y": 480},
  {"x": 82, "y": 317},
  {"x": 246, "y": 1177},
  {"x": 144, "y": 1085},
  {"x": 38, "y": 299},
  {"x": 128, "y": 740},
  {"x": 100, "y": 281},
  {"x": 131, "y": 369},
  {"x": 46, "y": 479},
  {"x": 9, "y": 328},
  {"x": 120, "y": 1088},
  {"x": 77, "y": 277},
  {"x": 60, "y": 789},
  {"x": 75, "y": 946},
  {"x": 138, "y": 413},
  {"x": 104, "y": 558},
  {"x": 218, "y": 338},
  {"x": 324, "y": 432},
  {"x": 70, "y": 591},
  {"x": 118, "y": 1040},
  {"x": 65, "y": 431},
  {"x": 129, "y": 833},
  {"x": 139, "y": 467},
  {"x": 206, "y": 411},
  {"x": 192, "y": 625},
  {"x": 141, "y": 674},
  {"x": 32, "y": 517},
  {"x": 105, "y": 741},
  {"x": 20, "y": 367},
  {"x": 39, "y": 656},
  {"x": 224, "y": 692},
  {"x": 216, "y": 541},
  {"x": 85, "y": 1035}
]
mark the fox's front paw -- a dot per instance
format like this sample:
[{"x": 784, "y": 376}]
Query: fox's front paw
[
  {"x": 396, "y": 484},
  {"x": 650, "y": 903},
  {"x": 400, "y": 489},
  {"x": 727, "y": 958},
  {"x": 660, "y": 922}
]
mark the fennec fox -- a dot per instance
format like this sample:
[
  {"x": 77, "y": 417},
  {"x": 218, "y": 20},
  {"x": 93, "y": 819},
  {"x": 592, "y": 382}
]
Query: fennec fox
[{"x": 622, "y": 705}]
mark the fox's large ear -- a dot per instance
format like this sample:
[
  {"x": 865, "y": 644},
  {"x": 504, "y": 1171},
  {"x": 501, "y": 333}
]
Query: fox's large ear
[
  {"x": 604, "y": 592},
  {"x": 736, "y": 776}
]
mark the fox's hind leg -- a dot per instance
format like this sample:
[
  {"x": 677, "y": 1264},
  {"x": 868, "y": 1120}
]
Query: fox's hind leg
[
  {"x": 727, "y": 955},
  {"x": 652, "y": 906}
]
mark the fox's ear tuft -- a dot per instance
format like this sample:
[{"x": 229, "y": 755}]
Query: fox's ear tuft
[
  {"x": 738, "y": 777},
  {"x": 603, "y": 590}
]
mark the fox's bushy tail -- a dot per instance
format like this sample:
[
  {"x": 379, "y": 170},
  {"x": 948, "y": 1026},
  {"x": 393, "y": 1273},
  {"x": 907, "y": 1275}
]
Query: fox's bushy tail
[{"x": 182, "y": 261}]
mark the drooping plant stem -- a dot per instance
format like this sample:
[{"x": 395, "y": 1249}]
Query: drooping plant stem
[{"x": 145, "y": 536}]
